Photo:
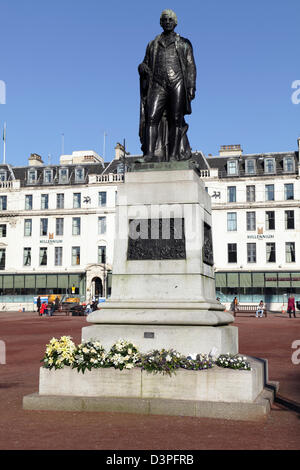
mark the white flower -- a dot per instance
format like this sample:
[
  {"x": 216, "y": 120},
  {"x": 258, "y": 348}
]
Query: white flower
[
  {"x": 193, "y": 356},
  {"x": 128, "y": 366},
  {"x": 168, "y": 358}
]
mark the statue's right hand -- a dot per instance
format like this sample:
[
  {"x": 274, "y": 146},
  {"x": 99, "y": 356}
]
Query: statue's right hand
[{"x": 143, "y": 69}]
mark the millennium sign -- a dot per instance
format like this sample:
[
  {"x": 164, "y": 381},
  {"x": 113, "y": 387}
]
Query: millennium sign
[{"x": 259, "y": 236}]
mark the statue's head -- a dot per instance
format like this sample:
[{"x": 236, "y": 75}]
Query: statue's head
[{"x": 168, "y": 20}]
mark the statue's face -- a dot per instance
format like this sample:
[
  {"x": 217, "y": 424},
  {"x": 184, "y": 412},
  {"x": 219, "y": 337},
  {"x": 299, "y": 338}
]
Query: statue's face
[{"x": 167, "y": 23}]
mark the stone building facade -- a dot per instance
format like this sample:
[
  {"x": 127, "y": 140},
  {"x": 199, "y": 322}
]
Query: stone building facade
[{"x": 57, "y": 225}]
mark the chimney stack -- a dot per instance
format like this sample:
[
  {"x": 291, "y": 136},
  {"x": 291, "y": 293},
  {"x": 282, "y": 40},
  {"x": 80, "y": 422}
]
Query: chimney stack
[
  {"x": 230, "y": 151},
  {"x": 35, "y": 160},
  {"x": 119, "y": 151}
]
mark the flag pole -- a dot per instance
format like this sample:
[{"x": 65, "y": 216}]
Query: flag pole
[
  {"x": 4, "y": 143},
  {"x": 104, "y": 142},
  {"x": 62, "y": 144}
]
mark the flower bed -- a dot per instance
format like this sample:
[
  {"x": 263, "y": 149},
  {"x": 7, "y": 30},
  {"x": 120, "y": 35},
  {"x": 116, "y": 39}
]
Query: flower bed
[{"x": 125, "y": 355}]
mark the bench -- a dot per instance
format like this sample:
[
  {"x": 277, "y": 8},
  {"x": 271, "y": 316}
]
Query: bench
[
  {"x": 248, "y": 309},
  {"x": 62, "y": 311}
]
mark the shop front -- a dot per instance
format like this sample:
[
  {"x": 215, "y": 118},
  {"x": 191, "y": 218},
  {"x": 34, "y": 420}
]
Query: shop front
[
  {"x": 18, "y": 291},
  {"x": 273, "y": 288}
]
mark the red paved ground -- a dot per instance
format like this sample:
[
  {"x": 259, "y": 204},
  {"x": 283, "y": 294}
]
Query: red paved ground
[{"x": 26, "y": 334}]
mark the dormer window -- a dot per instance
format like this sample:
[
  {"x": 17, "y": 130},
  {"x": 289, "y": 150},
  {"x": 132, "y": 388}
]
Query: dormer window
[
  {"x": 79, "y": 175},
  {"x": 232, "y": 168},
  {"x": 270, "y": 165},
  {"x": 288, "y": 164},
  {"x": 32, "y": 176},
  {"x": 2, "y": 175},
  {"x": 250, "y": 167},
  {"x": 48, "y": 175},
  {"x": 120, "y": 168},
  {"x": 63, "y": 175}
]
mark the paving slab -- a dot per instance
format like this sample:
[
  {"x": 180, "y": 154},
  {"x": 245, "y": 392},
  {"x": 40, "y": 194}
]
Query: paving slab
[{"x": 25, "y": 336}]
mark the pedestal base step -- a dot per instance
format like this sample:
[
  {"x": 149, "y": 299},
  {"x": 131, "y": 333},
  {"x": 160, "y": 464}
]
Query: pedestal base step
[{"x": 258, "y": 410}]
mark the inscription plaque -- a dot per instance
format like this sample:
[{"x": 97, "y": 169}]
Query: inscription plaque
[
  {"x": 156, "y": 239},
  {"x": 148, "y": 334}
]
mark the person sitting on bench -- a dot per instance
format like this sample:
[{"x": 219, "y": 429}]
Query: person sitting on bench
[{"x": 260, "y": 309}]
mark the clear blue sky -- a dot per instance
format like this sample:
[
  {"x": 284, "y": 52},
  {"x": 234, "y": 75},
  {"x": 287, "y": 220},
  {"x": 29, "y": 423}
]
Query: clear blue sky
[{"x": 70, "y": 67}]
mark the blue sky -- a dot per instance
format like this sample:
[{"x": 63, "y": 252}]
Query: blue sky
[{"x": 70, "y": 67}]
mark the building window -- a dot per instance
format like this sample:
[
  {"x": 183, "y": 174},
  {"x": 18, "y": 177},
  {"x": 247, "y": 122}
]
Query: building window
[
  {"x": 289, "y": 219},
  {"x": 251, "y": 252},
  {"x": 75, "y": 255},
  {"x": 79, "y": 175},
  {"x": 48, "y": 177},
  {"x": 232, "y": 168},
  {"x": 250, "y": 193},
  {"x": 28, "y": 202},
  {"x": 251, "y": 220},
  {"x": 44, "y": 201},
  {"x": 2, "y": 258},
  {"x": 231, "y": 221},
  {"x": 76, "y": 226},
  {"x": 27, "y": 257},
  {"x": 27, "y": 227},
  {"x": 2, "y": 230},
  {"x": 43, "y": 256},
  {"x": 32, "y": 176},
  {"x": 101, "y": 225},
  {"x": 101, "y": 254},
  {"x": 232, "y": 252},
  {"x": 102, "y": 198},
  {"x": 288, "y": 164},
  {"x": 270, "y": 220},
  {"x": 121, "y": 168},
  {"x": 59, "y": 226},
  {"x": 269, "y": 192},
  {"x": 231, "y": 194},
  {"x": 58, "y": 256},
  {"x": 76, "y": 200},
  {"x": 250, "y": 167},
  {"x": 44, "y": 227},
  {"x": 288, "y": 191},
  {"x": 2, "y": 175},
  {"x": 63, "y": 175},
  {"x": 3, "y": 203},
  {"x": 270, "y": 253},
  {"x": 290, "y": 256},
  {"x": 60, "y": 201},
  {"x": 269, "y": 165}
]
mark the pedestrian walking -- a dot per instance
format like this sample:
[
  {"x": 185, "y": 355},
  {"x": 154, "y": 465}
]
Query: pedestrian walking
[
  {"x": 44, "y": 309},
  {"x": 291, "y": 306},
  {"x": 56, "y": 303},
  {"x": 234, "y": 305},
  {"x": 52, "y": 309},
  {"x": 38, "y": 304}
]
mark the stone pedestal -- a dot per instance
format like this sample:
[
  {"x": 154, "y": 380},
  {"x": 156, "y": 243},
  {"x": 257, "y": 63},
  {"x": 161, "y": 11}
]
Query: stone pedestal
[
  {"x": 163, "y": 288},
  {"x": 213, "y": 393},
  {"x": 163, "y": 296}
]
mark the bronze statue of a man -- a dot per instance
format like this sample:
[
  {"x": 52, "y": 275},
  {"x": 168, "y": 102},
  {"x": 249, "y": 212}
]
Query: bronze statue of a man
[{"x": 168, "y": 85}]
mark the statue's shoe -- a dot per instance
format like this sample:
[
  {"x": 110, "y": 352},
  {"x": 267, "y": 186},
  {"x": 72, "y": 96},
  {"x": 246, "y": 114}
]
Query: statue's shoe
[{"x": 144, "y": 159}]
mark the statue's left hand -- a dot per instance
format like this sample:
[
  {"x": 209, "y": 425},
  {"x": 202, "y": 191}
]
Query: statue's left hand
[{"x": 191, "y": 93}]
